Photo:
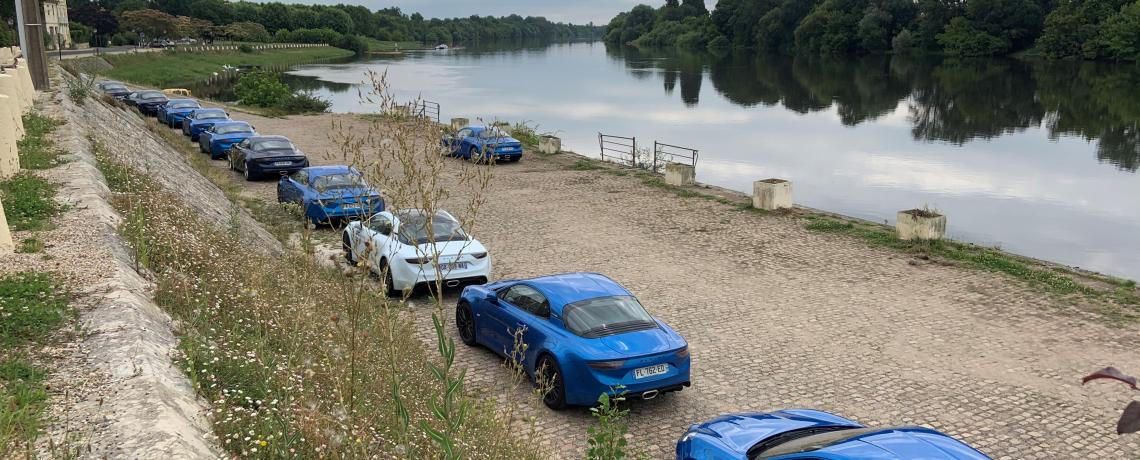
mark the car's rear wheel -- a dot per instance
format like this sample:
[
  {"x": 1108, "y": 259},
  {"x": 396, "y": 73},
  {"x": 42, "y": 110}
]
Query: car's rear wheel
[
  {"x": 474, "y": 155},
  {"x": 551, "y": 373},
  {"x": 346, "y": 243},
  {"x": 465, "y": 322},
  {"x": 249, "y": 175}
]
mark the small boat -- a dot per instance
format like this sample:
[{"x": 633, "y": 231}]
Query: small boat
[{"x": 441, "y": 47}]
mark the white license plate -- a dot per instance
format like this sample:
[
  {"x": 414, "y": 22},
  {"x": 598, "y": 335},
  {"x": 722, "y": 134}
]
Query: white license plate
[
  {"x": 650, "y": 371},
  {"x": 453, "y": 266},
  {"x": 351, "y": 206},
  {"x": 282, "y": 163}
]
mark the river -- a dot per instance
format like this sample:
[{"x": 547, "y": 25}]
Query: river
[{"x": 1037, "y": 158}]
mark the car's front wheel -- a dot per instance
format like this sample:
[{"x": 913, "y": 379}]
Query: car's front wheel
[
  {"x": 474, "y": 155},
  {"x": 247, "y": 174},
  {"x": 549, "y": 377},
  {"x": 465, "y": 322},
  {"x": 347, "y": 244}
]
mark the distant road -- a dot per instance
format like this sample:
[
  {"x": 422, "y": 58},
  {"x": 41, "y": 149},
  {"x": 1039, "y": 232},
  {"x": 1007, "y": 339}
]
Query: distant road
[{"x": 72, "y": 54}]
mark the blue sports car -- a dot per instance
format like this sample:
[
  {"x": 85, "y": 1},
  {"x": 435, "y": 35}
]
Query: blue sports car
[
  {"x": 584, "y": 333},
  {"x": 330, "y": 192},
  {"x": 201, "y": 120},
  {"x": 483, "y": 143},
  {"x": 815, "y": 435},
  {"x": 174, "y": 111},
  {"x": 217, "y": 140}
]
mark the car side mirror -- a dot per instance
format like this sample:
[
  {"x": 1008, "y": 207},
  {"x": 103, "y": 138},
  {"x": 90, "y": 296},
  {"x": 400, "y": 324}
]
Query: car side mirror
[{"x": 491, "y": 297}]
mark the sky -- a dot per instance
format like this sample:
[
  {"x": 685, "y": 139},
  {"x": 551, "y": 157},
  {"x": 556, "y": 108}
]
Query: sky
[{"x": 574, "y": 11}]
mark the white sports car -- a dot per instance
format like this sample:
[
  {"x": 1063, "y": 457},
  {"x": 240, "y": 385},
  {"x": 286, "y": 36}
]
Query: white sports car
[{"x": 402, "y": 248}]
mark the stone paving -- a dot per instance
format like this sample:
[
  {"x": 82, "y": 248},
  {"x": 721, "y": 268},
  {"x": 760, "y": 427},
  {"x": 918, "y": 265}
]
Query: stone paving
[{"x": 781, "y": 317}]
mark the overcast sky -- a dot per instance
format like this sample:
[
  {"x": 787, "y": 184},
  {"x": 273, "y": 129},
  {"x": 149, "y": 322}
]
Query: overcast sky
[{"x": 575, "y": 11}]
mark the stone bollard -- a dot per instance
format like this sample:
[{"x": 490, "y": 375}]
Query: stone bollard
[
  {"x": 680, "y": 175},
  {"x": 549, "y": 144},
  {"x": 9, "y": 155},
  {"x": 6, "y": 246},
  {"x": 459, "y": 123},
  {"x": 771, "y": 194},
  {"x": 920, "y": 224},
  {"x": 10, "y": 86}
]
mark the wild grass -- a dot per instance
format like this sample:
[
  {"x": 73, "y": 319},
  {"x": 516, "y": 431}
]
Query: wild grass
[
  {"x": 33, "y": 307},
  {"x": 298, "y": 360},
  {"x": 584, "y": 164},
  {"x": 1061, "y": 282},
  {"x": 30, "y": 245},
  {"x": 28, "y": 202},
  {"x": 164, "y": 69},
  {"x": 36, "y": 150}
]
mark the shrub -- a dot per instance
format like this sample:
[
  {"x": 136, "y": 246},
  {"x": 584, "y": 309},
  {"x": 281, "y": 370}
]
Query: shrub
[
  {"x": 261, "y": 89},
  {"x": 245, "y": 48},
  {"x": 303, "y": 102}
]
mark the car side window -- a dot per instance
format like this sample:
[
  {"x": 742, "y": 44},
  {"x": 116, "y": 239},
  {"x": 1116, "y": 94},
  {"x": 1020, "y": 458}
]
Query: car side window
[
  {"x": 463, "y": 133},
  {"x": 381, "y": 225},
  {"x": 302, "y": 177},
  {"x": 527, "y": 298},
  {"x": 244, "y": 144}
]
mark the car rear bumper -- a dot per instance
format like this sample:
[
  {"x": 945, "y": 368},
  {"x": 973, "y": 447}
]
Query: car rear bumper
[
  {"x": 584, "y": 384},
  {"x": 407, "y": 276}
]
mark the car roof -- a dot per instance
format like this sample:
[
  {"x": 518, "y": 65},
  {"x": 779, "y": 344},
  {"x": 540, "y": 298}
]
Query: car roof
[
  {"x": 902, "y": 443},
  {"x": 269, "y": 138},
  {"x": 567, "y": 288},
  {"x": 740, "y": 432},
  {"x": 184, "y": 100},
  {"x": 209, "y": 109}
]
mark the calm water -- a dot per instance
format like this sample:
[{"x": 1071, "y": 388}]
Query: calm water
[{"x": 1040, "y": 159}]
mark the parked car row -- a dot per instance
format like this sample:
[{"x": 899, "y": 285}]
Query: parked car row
[{"x": 584, "y": 333}]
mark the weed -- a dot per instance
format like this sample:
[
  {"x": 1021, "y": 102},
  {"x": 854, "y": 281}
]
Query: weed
[
  {"x": 31, "y": 306},
  {"x": 22, "y": 402},
  {"x": 607, "y": 439},
  {"x": 28, "y": 202},
  {"x": 584, "y": 164},
  {"x": 30, "y": 245},
  {"x": 36, "y": 150},
  {"x": 526, "y": 134},
  {"x": 81, "y": 88}
]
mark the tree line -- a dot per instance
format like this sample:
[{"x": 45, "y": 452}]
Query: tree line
[
  {"x": 1058, "y": 29},
  {"x": 116, "y": 22}
]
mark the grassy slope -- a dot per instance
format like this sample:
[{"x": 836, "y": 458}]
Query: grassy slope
[{"x": 163, "y": 69}]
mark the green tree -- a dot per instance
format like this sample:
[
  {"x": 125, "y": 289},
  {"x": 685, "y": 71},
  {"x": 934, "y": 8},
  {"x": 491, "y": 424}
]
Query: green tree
[
  {"x": 961, "y": 38},
  {"x": 1120, "y": 36},
  {"x": 152, "y": 23}
]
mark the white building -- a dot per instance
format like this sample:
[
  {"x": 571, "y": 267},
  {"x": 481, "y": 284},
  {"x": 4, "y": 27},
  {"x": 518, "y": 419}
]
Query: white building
[{"x": 55, "y": 23}]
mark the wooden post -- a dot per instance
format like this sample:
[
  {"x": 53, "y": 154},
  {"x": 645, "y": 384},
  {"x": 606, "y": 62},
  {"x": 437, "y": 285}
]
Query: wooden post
[{"x": 32, "y": 42}]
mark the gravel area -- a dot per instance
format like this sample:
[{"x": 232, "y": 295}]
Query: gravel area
[{"x": 781, "y": 317}]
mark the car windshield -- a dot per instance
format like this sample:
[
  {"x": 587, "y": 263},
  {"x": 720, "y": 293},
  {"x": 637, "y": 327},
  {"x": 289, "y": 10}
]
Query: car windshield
[
  {"x": 341, "y": 180},
  {"x": 230, "y": 129},
  {"x": 805, "y": 440},
  {"x": 491, "y": 133},
  {"x": 183, "y": 105},
  {"x": 414, "y": 228},
  {"x": 276, "y": 144},
  {"x": 209, "y": 115},
  {"x": 604, "y": 316}
]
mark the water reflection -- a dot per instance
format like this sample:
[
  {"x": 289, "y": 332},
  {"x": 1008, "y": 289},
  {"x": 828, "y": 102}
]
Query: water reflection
[{"x": 953, "y": 101}]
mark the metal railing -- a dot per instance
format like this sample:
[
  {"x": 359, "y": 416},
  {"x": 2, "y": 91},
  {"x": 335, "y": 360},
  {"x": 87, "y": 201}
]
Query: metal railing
[
  {"x": 618, "y": 149},
  {"x": 667, "y": 153},
  {"x": 426, "y": 109}
]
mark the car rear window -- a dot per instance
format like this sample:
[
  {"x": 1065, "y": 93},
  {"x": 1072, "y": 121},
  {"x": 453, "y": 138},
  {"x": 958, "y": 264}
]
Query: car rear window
[
  {"x": 114, "y": 87},
  {"x": 209, "y": 115},
  {"x": 602, "y": 316},
  {"x": 414, "y": 228},
  {"x": 152, "y": 95},
  {"x": 342, "y": 180},
  {"x": 229, "y": 129},
  {"x": 183, "y": 105},
  {"x": 276, "y": 144}
]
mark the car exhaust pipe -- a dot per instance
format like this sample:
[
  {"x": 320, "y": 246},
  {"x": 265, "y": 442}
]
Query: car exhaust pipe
[
  {"x": 451, "y": 283},
  {"x": 649, "y": 395}
]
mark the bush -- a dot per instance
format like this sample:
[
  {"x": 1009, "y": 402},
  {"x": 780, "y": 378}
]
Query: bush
[
  {"x": 303, "y": 102},
  {"x": 261, "y": 89},
  {"x": 245, "y": 48}
]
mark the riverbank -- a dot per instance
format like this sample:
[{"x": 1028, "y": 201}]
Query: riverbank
[
  {"x": 163, "y": 69},
  {"x": 884, "y": 336}
]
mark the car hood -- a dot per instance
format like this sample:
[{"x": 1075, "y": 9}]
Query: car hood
[
  {"x": 643, "y": 342},
  {"x": 740, "y": 432}
]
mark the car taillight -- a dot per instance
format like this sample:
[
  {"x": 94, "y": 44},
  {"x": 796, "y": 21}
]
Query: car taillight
[
  {"x": 683, "y": 353},
  {"x": 479, "y": 255},
  {"x": 419, "y": 261},
  {"x": 606, "y": 364}
]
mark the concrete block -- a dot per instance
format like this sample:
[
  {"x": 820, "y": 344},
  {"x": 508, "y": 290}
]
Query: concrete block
[
  {"x": 6, "y": 246},
  {"x": 459, "y": 123},
  {"x": 9, "y": 155},
  {"x": 27, "y": 91},
  {"x": 679, "y": 174},
  {"x": 920, "y": 224},
  {"x": 771, "y": 194},
  {"x": 549, "y": 144},
  {"x": 6, "y": 55},
  {"x": 10, "y": 87}
]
